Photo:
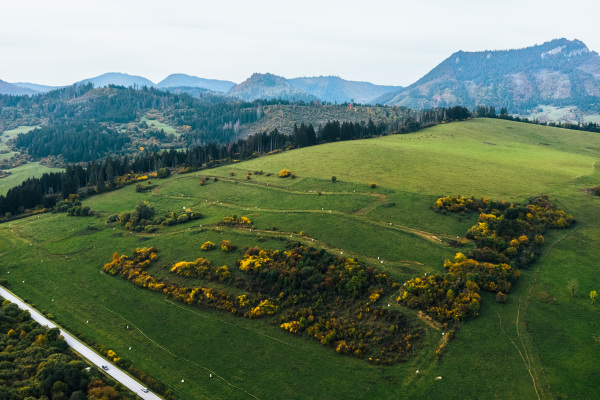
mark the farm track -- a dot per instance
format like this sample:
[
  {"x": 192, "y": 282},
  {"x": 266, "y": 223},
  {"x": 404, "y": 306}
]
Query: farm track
[
  {"x": 527, "y": 350},
  {"x": 359, "y": 215}
]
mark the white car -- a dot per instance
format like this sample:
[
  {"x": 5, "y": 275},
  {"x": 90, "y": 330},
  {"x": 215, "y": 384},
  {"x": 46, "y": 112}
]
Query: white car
[
  {"x": 145, "y": 390},
  {"x": 105, "y": 367}
]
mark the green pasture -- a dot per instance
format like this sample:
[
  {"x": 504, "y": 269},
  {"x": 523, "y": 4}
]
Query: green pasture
[
  {"x": 153, "y": 123},
  {"x": 542, "y": 344},
  {"x": 24, "y": 172},
  {"x": 7, "y": 135}
]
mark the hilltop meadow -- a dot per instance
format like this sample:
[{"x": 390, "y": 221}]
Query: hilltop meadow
[{"x": 543, "y": 343}]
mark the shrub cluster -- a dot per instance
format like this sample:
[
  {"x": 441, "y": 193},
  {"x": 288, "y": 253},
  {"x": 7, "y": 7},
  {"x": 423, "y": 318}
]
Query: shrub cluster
[
  {"x": 507, "y": 236},
  {"x": 305, "y": 291},
  {"x": 227, "y": 246},
  {"x": 142, "y": 218},
  {"x": 72, "y": 206},
  {"x": 443, "y": 297},
  {"x": 284, "y": 173},
  {"x": 201, "y": 268},
  {"x": 506, "y": 232},
  {"x": 208, "y": 246},
  {"x": 177, "y": 217},
  {"x": 235, "y": 220}
]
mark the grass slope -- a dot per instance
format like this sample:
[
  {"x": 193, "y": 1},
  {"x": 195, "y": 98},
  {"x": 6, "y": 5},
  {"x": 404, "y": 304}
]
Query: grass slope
[
  {"x": 22, "y": 173},
  {"x": 541, "y": 344},
  {"x": 153, "y": 123},
  {"x": 7, "y": 135}
]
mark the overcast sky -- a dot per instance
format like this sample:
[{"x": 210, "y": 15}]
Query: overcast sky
[{"x": 59, "y": 42}]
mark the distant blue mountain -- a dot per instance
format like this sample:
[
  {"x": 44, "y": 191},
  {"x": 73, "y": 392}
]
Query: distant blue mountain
[
  {"x": 559, "y": 73},
  {"x": 119, "y": 79},
  {"x": 268, "y": 86},
  {"x": 183, "y": 80},
  {"x": 9, "y": 88},
  {"x": 35, "y": 87},
  {"x": 334, "y": 89}
]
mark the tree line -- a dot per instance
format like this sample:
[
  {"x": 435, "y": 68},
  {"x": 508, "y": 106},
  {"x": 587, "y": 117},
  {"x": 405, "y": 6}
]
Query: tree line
[
  {"x": 74, "y": 142},
  {"x": 202, "y": 121},
  {"x": 101, "y": 175}
]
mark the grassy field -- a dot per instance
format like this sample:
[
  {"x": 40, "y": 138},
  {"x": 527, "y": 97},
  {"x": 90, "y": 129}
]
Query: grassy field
[
  {"x": 153, "y": 123},
  {"x": 542, "y": 344},
  {"x": 22, "y": 173},
  {"x": 7, "y": 135}
]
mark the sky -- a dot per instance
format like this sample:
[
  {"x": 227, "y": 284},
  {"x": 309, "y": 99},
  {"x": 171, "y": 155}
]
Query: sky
[{"x": 391, "y": 42}]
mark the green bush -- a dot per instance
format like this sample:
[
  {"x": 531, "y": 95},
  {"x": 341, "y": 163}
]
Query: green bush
[{"x": 163, "y": 173}]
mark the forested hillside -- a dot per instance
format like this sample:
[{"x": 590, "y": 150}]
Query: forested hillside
[
  {"x": 81, "y": 123},
  {"x": 560, "y": 73}
]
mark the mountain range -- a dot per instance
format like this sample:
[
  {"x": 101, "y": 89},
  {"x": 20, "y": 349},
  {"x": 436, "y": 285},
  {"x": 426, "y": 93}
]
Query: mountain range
[
  {"x": 183, "y": 80},
  {"x": 269, "y": 86},
  {"x": 334, "y": 89},
  {"x": 559, "y": 73},
  {"x": 259, "y": 86},
  {"x": 15, "y": 89}
]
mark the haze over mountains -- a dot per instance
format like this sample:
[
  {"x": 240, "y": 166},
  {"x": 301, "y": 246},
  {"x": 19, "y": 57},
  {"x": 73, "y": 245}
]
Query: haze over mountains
[
  {"x": 269, "y": 86},
  {"x": 559, "y": 73},
  {"x": 183, "y": 80},
  {"x": 334, "y": 89},
  {"x": 14, "y": 89}
]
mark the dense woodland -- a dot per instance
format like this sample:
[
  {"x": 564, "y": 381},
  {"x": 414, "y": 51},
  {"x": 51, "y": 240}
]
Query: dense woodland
[
  {"x": 36, "y": 363},
  {"x": 67, "y": 108},
  {"x": 74, "y": 141}
]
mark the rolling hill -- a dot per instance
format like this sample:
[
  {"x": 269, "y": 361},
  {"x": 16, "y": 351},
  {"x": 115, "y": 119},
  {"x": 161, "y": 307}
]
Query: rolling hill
[
  {"x": 540, "y": 344},
  {"x": 34, "y": 86},
  {"x": 268, "y": 86},
  {"x": 557, "y": 73},
  {"x": 12, "y": 89},
  {"x": 183, "y": 80},
  {"x": 324, "y": 88},
  {"x": 337, "y": 90},
  {"x": 119, "y": 79}
]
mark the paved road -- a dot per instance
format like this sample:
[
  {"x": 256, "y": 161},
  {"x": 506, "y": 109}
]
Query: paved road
[{"x": 82, "y": 349}]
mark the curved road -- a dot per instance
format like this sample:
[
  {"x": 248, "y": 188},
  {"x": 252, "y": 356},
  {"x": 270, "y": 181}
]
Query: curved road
[{"x": 83, "y": 349}]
